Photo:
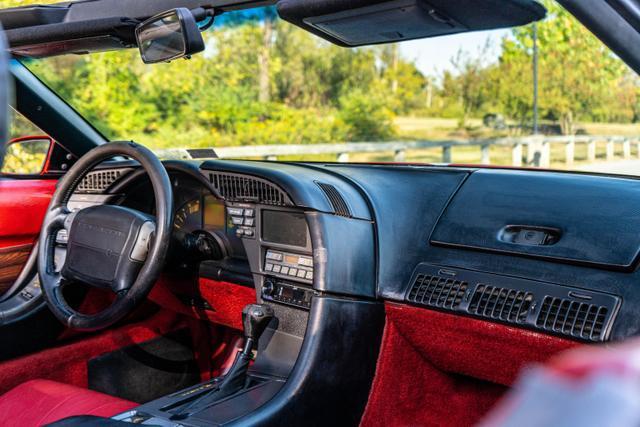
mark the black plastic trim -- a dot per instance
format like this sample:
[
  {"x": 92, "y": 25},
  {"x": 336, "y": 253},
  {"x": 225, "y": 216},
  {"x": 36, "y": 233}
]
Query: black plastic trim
[{"x": 514, "y": 301}]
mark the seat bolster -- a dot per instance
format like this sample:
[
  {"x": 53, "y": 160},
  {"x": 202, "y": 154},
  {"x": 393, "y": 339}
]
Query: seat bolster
[{"x": 39, "y": 402}]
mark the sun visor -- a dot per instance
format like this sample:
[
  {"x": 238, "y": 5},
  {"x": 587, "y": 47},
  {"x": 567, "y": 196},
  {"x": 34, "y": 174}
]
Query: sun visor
[{"x": 352, "y": 23}]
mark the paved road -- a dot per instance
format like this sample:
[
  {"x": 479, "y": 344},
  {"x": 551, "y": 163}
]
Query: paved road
[{"x": 624, "y": 167}]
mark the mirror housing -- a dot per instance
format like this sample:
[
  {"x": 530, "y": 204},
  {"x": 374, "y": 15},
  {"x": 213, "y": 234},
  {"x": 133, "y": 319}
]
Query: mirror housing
[
  {"x": 36, "y": 155},
  {"x": 169, "y": 35},
  {"x": 27, "y": 155}
]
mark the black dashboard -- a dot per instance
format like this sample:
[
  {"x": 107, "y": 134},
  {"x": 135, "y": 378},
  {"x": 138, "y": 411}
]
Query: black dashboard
[{"x": 551, "y": 252}]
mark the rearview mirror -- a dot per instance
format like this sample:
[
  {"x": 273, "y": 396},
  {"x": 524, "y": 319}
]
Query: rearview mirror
[{"x": 170, "y": 35}]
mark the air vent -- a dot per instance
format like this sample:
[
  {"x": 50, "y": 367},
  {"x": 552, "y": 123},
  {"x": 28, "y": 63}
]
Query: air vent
[
  {"x": 437, "y": 291},
  {"x": 99, "y": 181},
  {"x": 340, "y": 207},
  {"x": 562, "y": 310},
  {"x": 500, "y": 303},
  {"x": 242, "y": 188},
  {"x": 575, "y": 318}
]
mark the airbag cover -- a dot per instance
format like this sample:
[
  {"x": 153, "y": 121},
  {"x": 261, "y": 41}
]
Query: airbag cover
[{"x": 100, "y": 242}]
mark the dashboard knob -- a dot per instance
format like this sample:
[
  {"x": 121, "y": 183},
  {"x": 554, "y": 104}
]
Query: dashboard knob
[{"x": 268, "y": 288}]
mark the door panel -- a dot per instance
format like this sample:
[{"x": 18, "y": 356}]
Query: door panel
[{"x": 23, "y": 203}]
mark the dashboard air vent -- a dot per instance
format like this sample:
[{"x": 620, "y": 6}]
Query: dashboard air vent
[
  {"x": 500, "y": 303},
  {"x": 575, "y": 318},
  {"x": 99, "y": 181},
  {"x": 437, "y": 291},
  {"x": 581, "y": 314},
  {"x": 340, "y": 207},
  {"x": 242, "y": 188}
]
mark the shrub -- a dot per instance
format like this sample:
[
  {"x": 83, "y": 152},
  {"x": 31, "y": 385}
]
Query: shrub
[{"x": 366, "y": 116}]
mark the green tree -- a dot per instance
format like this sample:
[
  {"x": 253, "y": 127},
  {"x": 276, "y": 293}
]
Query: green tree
[{"x": 577, "y": 73}]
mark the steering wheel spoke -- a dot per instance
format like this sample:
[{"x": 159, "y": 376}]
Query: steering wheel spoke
[{"x": 58, "y": 218}]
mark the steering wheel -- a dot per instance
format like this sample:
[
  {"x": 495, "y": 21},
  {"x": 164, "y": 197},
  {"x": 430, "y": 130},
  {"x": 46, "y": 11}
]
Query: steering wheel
[{"x": 109, "y": 247}]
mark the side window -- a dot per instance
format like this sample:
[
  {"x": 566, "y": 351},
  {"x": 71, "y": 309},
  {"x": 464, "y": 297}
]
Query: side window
[{"x": 28, "y": 147}]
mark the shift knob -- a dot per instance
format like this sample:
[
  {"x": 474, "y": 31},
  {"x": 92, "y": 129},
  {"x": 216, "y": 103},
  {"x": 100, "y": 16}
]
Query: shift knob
[{"x": 255, "y": 318}]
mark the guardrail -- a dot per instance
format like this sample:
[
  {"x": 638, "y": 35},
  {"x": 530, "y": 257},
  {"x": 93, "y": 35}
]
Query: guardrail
[{"x": 538, "y": 149}]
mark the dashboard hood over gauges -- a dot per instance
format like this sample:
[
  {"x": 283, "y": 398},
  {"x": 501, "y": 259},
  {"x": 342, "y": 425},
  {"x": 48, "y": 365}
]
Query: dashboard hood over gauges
[{"x": 87, "y": 26}]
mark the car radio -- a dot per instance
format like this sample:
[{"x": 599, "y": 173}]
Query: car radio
[
  {"x": 289, "y": 265},
  {"x": 286, "y": 293}
]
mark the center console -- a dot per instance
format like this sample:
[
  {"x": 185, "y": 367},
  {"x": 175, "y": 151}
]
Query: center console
[{"x": 277, "y": 244}]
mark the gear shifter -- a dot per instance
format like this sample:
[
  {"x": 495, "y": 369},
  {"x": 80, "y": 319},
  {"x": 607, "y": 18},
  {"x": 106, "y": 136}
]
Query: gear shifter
[{"x": 255, "y": 319}]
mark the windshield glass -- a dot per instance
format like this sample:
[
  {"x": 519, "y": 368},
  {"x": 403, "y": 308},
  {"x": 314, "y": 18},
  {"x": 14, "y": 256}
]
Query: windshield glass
[{"x": 266, "y": 89}]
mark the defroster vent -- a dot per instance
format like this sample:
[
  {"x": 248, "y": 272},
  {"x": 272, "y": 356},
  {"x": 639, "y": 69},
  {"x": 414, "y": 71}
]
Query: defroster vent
[
  {"x": 242, "y": 188},
  {"x": 338, "y": 203},
  {"x": 577, "y": 313}
]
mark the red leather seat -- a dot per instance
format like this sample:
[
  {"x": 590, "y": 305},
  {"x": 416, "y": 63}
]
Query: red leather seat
[{"x": 39, "y": 402}]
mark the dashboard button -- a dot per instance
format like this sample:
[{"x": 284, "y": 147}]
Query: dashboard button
[
  {"x": 248, "y": 232},
  {"x": 249, "y": 221},
  {"x": 235, "y": 211},
  {"x": 293, "y": 271},
  {"x": 307, "y": 262},
  {"x": 309, "y": 275},
  {"x": 268, "y": 267},
  {"x": 276, "y": 256},
  {"x": 276, "y": 268},
  {"x": 301, "y": 274},
  {"x": 285, "y": 270},
  {"x": 236, "y": 220},
  {"x": 249, "y": 212},
  {"x": 239, "y": 232}
]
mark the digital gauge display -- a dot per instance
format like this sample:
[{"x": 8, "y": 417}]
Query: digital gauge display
[{"x": 214, "y": 213}]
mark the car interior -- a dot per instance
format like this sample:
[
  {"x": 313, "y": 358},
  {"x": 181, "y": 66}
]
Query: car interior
[{"x": 212, "y": 292}]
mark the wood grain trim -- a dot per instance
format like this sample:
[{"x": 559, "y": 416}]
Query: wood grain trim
[{"x": 12, "y": 259}]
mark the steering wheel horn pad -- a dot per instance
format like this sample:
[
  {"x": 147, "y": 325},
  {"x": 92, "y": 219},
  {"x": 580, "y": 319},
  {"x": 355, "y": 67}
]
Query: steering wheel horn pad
[
  {"x": 102, "y": 247},
  {"x": 109, "y": 246}
]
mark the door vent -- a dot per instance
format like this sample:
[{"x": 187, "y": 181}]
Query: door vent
[
  {"x": 242, "y": 188},
  {"x": 437, "y": 291},
  {"x": 575, "y": 318},
  {"x": 340, "y": 207},
  {"x": 500, "y": 303},
  {"x": 99, "y": 181},
  {"x": 545, "y": 307}
]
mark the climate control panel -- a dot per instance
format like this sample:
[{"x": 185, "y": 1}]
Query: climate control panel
[{"x": 289, "y": 265}]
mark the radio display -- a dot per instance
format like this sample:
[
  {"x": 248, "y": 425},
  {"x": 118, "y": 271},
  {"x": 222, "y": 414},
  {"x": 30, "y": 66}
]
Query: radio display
[{"x": 285, "y": 228}]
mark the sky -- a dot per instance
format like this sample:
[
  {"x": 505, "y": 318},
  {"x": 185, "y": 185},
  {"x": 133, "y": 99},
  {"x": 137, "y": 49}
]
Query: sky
[{"x": 432, "y": 56}]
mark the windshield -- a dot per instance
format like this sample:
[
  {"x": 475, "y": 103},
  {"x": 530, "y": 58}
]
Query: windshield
[{"x": 264, "y": 89}]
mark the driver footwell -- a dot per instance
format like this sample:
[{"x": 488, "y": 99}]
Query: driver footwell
[
  {"x": 146, "y": 371},
  {"x": 151, "y": 347}
]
